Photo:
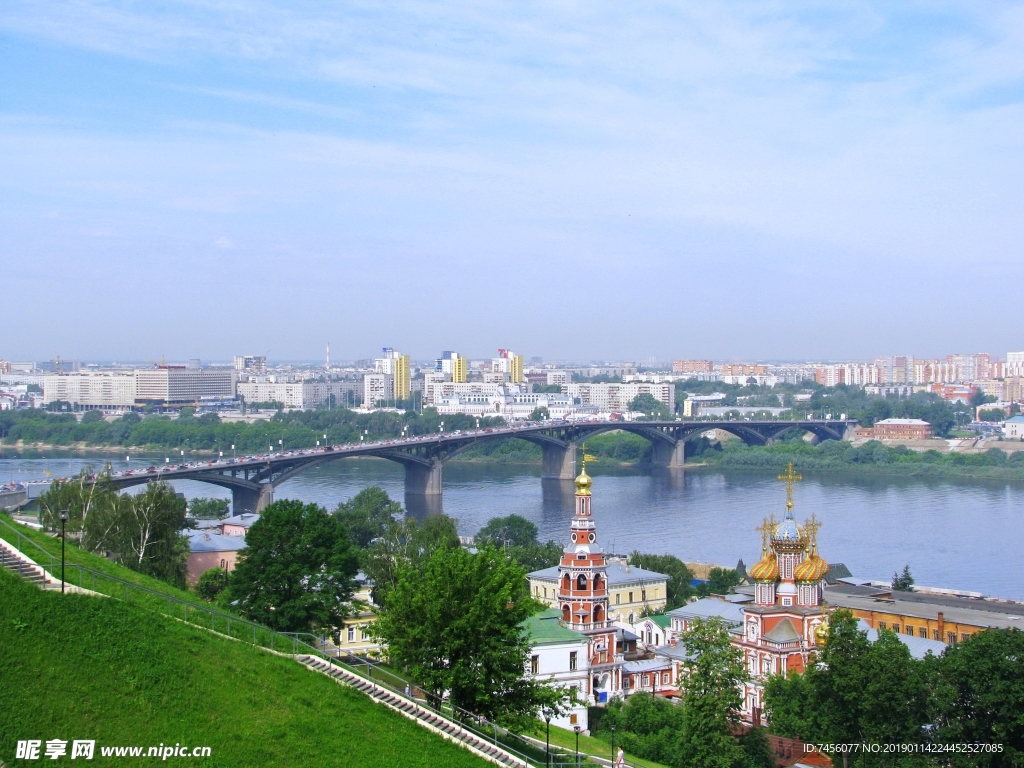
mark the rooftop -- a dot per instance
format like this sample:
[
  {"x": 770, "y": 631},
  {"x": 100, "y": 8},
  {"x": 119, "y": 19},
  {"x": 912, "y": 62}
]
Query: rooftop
[
  {"x": 545, "y": 628},
  {"x": 708, "y": 608},
  {"x": 618, "y": 574},
  {"x": 244, "y": 520},
  {"x": 204, "y": 541},
  {"x": 961, "y": 610},
  {"x": 908, "y": 422}
]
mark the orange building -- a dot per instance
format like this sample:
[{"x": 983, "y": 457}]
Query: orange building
[{"x": 902, "y": 429}]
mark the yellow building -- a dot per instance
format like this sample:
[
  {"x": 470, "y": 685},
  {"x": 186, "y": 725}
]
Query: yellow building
[
  {"x": 458, "y": 370},
  {"x": 354, "y": 635},
  {"x": 403, "y": 377},
  {"x": 631, "y": 590}
]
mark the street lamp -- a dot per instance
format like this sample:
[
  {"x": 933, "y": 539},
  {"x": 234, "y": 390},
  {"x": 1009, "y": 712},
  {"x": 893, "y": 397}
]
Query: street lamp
[
  {"x": 547, "y": 739},
  {"x": 613, "y": 744},
  {"x": 232, "y": 450},
  {"x": 577, "y": 729},
  {"x": 63, "y": 521}
]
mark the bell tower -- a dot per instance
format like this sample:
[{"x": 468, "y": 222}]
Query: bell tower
[{"x": 582, "y": 572}]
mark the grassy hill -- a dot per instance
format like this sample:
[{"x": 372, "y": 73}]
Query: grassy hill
[{"x": 77, "y": 667}]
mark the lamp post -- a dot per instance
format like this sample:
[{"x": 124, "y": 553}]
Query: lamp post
[
  {"x": 63, "y": 521},
  {"x": 232, "y": 450},
  {"x": 547, "y": 738},
  {"x": 577, "y": 729},
  {"x": 613, "y": 744}
]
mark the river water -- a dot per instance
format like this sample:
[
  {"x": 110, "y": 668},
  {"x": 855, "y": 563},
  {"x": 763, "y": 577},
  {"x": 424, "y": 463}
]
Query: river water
[{"x": 957, "y": 534}]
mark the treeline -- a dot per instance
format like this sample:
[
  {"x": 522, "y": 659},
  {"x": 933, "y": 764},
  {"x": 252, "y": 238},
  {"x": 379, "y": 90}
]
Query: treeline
[
  {"x": 142, "y": 531},
  {"x": 873, "y": 456},
  {"x": 861, "y": 692},
  {"x": 295, "y": 429}
]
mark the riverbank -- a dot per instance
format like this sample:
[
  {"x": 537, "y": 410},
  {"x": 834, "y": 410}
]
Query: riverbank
[{"x": 872, "y": 458}]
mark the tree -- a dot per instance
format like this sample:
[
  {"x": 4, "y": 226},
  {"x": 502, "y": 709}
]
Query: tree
[
  {"x": 517, "y": 537},
  {"x": 296, "y": 571},
  {"x": 454, "y": 625},
  {"x": 405, "y": 543},
  {"x": 204, "y": 509},
  {"x": 212, "y": 583},
  {"x": 91, "y": 417},
  {"x": 540, "y": 413},
  {"x": 80, "y": 497},
  {"x": 679, "y": 587},
  {"x": 650, "y": 406},
  {"x": 903, "y": 582},
  {"x": 710, "y": 696},
  {"x": 980, "y": 697},
  {"x": 786, "y": 705},
  {"x": 757, "y": 750},
  {"x": 992, "y": 414},
  {"x": 145, "y": 531},
  {"x": 367, "y": 515},
  {"x": 719, "y": 581},
  {"x": 511, "y": 531}
]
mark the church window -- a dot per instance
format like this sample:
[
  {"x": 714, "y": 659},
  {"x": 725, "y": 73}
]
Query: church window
[
  {"x": 581, "y": 556},
  {"x": 581, "y": 582},
  {"x": 592, "y": 537},
  {"x": 787, "y": 601},
  {"x": 632, "y": 618},
  {"x": 572, "y": 661},
  {"x": 535, "y": 664},
  {"x": 573, "y": 537}
]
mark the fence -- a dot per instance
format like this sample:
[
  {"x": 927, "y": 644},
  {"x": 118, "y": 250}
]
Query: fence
[{"x": 291, "y": 643}]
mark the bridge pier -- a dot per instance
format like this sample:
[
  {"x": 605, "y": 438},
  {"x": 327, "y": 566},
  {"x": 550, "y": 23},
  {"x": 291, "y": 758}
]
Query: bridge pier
[
  {"x": 423, "y": 479},
  {"x": 666, "y": 455},
  {"x": 248, "y": 500},
  {"x": 559, "y": 461}
]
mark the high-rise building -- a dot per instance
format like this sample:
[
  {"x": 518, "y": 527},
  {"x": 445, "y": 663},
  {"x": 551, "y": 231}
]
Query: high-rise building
[
  {"x": 510, "y": 363},
  {"x": 378, "y": 388},
  {"x": 251, "y": 364},
  {"x": 693, "y": 366},
  {"x": 453, "y": 365},
  {"x": 398, "y": 366}
]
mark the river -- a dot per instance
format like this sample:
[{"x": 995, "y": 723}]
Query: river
[{"x": 959, "y": 534}]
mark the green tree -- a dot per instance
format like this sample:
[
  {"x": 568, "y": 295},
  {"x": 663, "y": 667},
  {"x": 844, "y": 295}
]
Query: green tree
[
  {"x": 454, "y": 625},
  {"x": 650, "y": 406},
  {"x": 405, "y": 544},
  {"x": 511, "y": 531},
  {"x": 368, "y": 515},
  {"x": 719, "y": 581},
  {"x": 679, "y": 587},
  {"x": 710, "y": 697},
  {"x": 212, "y": 583},
  {"x": 992, "y": 414},
  {"x": 540, "y": 413},
  {"x": 83, "y": 498},
  {"x": 757, "y": 750},
  {"x": 145, "y": 530},
  {"x": 91, "y": 417},
  {"x": 786, "y": 705},
  {"x": 980, "y": 697},
  {"x": 646, "y": 726},
  {"x": 205, "y": 508},
  {"x": 903, "y": 582},
  {"x": 296, "y": 571}
]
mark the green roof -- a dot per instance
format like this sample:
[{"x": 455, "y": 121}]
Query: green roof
[
  {"x": 661, "y": 619},
  {"x": 546, "y": 628}
]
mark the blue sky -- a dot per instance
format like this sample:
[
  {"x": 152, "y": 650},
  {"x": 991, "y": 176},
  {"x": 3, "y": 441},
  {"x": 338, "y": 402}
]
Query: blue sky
[{"x": 587, "y": 180}]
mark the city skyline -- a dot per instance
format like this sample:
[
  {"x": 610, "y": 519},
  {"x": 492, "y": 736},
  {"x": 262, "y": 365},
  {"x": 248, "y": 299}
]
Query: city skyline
[{"x": 601, "y": 182}]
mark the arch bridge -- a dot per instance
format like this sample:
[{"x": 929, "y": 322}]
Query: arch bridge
[{"x": 252, "y": 479}]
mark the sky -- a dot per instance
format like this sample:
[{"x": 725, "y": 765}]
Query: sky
[{"x": 734, "y": 180}]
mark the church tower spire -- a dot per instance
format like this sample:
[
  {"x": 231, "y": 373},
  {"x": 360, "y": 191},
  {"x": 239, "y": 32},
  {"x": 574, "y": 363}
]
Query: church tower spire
[{"x": 582, "y": 572}]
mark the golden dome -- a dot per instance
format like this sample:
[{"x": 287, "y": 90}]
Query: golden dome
[
  {"x": 765, "y": 569},
  {"x": 812, "y": 569},
  {"x": 821, "y": 633},
  {"x": 583, "y": 483}
]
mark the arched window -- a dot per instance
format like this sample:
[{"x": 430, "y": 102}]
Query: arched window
[
  {"x": 566, "y": 614},
  {"x": 581, "y": 582},
  {"x": 566, "y": 581},
  {"x": 632, "y": 618},
  {"x": 597, "y": 582},
  {"x": 597, "y": 614}
]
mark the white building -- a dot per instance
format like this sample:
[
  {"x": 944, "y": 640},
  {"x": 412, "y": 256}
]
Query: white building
[
  {"x": 378, "y": 387},
  {"x": 558, "y": 656},
  {"x": 1013, "y": 428},
  {"x": 107, "y": 390},
  {"x": 178, "y": 385},
  {"x": 615, "y": 398},
  {"x": 435, "y": 391},
  {"x": 511, "y": 402},
  {"x": 251, "y": 364}
]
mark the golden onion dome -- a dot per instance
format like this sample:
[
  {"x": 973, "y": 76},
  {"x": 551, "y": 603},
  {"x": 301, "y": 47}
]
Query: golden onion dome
[
  {"x": 811, "y": 570},
  {"x": 583, "y": 483},
  {"x": 765, "y": 569}
]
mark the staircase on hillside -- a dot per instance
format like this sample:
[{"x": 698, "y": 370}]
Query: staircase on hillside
[
  {"x": 414, "y": 711},
  {"x": 22, "y": 566}
]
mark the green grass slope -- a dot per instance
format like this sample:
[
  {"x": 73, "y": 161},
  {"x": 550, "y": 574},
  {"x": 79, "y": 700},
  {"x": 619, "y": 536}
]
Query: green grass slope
[{"x": 78, "y": 667}]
